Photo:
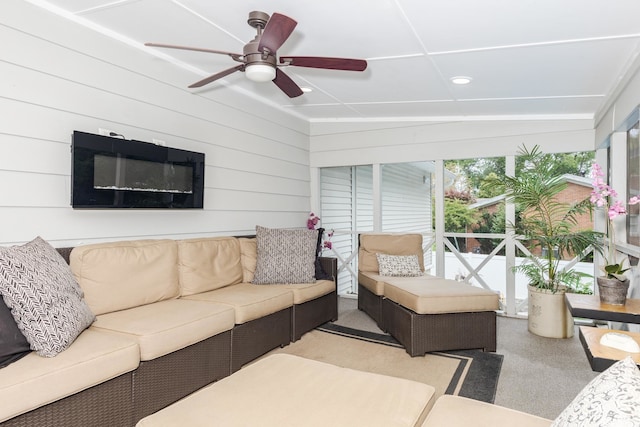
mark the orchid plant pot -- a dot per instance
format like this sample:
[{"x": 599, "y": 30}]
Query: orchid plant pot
[{"x": 612, "y": 291}]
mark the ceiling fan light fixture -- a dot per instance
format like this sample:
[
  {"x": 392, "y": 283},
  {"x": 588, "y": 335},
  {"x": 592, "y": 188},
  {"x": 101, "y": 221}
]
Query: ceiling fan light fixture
[
  {"x": 260, "y": 72},
  {"x": 461, "y": 80}
]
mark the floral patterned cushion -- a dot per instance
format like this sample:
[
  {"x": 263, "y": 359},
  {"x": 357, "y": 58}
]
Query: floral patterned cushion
[
  {"x": 610, "y": 399},
  {"x": 399, "y": 265}
]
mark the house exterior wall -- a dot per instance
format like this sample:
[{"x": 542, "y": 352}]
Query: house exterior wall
[
  {"x": 573, "y": 193},
  {"x": 59, "y": 76}
]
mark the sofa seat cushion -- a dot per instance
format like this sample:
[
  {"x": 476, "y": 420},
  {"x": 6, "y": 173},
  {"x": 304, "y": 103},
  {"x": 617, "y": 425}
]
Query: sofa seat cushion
[
  {"x": 456, "y": 411},
  {"x": 303, "y": 292},
  {"x": 93, "y": 358},
  {"x": 436, "y": 295},
  {"x": 285, "y": 390},
  {"x": 166, "y": 326},
  {"x": 120, "y": 275},
  {"x": 249, "y": 301}
]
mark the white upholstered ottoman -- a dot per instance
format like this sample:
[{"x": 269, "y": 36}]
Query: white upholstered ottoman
[{"x": 284, "y": 390}]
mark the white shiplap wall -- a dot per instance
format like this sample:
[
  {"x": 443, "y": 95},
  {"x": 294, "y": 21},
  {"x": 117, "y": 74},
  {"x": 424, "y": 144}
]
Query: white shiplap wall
[
  {"x": 336, "y": 213},
  {"x": 58, "y": 76},
  {"x": 406, "y": 199}
]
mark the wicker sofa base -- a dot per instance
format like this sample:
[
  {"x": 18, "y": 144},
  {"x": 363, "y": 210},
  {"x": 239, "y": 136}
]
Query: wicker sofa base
[
  {"x": 255, "y": 338},
  {"x": 371, "y": 304},
  {"x": 104, "y": 405},
  {"x": 160, "y": 382},
  {"x": 312, "y": 314},
  {"x": 424, "y": 333}
]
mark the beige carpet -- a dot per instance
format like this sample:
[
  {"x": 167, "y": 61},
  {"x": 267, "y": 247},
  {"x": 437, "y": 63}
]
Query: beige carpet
[{"x": 444, "y": 371}]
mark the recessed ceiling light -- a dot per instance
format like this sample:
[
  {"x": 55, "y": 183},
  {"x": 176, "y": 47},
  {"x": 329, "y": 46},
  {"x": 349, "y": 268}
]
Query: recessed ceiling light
[
  {"x": 461, "y": 80},
  {"x": 306, "y": 89}
]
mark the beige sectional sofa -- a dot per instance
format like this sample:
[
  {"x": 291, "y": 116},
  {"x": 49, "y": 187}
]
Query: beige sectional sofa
[{"x": 171, "y": 317}]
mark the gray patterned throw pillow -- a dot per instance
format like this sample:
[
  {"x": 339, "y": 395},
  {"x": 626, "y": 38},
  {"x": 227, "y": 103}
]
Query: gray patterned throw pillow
[
  {"x": 45, "y": 299},
  {"x": 285, "y": 255}
]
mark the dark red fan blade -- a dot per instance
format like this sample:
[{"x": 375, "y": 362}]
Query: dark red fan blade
[
  {"x": 323, "y": 62},
  {"x": 277, "y": 31},
  {"x": 287, "y": 85},
  {"x": 196, "y": 49},
  {"x": 217, "y": 76}
]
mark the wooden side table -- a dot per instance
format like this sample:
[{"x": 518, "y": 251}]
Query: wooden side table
[
  {"x": 600, "y": 356},
  {"x": 589, "y": 307}
]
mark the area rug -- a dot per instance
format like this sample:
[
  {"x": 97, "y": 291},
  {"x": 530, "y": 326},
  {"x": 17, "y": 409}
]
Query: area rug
[{"x": 469, "y": 373}]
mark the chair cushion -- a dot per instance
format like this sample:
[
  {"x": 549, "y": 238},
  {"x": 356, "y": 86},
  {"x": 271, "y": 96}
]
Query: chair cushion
[
  {"x": 392, "y": 244},
  {"x": 169, "y": 325},
  {"x": 372, "y": 281},
  {"x": 435, "y": 295},
  {"x": 375, "y": 282},
  {"x": 120, "y": 275},
  {"x": 93, "y": 358},
  {"x": 208, "y": 263},
  {"x": 249, "y": 301}
]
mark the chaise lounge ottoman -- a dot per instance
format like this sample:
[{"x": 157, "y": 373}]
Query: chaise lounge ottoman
[
  {"x": 283, "y": 390},
  {"x": 435, "y": 314}
]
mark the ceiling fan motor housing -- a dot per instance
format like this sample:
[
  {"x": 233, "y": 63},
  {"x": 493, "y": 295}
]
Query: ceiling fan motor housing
[{"x": 253, "y": 56}]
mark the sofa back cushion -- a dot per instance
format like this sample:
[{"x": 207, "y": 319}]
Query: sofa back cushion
[
  {"x": 119, "y": 275},
  {"x": 248, "y": 257},
  {"x": 391, "y": 244},
  {"x": 208, "y": 263}
]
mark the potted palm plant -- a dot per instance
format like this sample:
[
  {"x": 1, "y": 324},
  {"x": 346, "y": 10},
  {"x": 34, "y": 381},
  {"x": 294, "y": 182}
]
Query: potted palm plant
[{"x": 549, "y": 227}]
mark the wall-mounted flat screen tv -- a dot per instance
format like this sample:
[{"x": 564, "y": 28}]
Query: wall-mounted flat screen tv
[{"x": 110, "y": 172}]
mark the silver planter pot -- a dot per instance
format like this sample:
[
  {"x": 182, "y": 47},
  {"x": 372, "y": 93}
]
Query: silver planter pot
[{"x": 612, "y": 291}]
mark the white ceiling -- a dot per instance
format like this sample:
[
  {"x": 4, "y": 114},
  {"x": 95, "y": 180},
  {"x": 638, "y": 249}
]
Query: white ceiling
[{"x": 526, "y": 57}]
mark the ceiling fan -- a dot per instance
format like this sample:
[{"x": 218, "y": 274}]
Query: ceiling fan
[{"x": 259, "y": 59}]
